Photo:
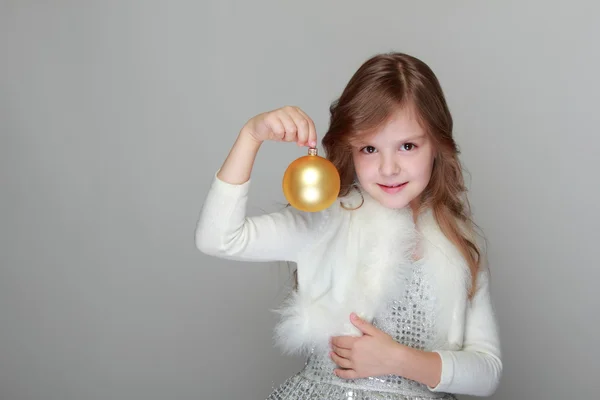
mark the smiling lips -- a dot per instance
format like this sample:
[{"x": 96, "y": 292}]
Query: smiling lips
[{"x": 392, "y": 188}]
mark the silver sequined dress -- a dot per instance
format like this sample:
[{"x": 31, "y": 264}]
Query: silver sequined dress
[{"x": 409, "y": 320}]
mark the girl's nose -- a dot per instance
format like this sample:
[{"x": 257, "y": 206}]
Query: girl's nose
[{"x": 389, "y": 166}]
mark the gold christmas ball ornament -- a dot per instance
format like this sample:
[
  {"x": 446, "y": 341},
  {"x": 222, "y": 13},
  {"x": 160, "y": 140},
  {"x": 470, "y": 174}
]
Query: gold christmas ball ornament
[{"x": 311, "y": 183}]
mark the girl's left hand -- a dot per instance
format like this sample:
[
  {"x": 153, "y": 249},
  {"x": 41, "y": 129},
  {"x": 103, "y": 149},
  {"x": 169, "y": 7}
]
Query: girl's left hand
[{"x": 374, "y": 354}]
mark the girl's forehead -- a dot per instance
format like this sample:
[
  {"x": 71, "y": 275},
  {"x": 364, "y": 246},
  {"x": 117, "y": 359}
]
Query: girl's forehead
[
  {"x": 402, "y": 118},
  {"x": 398, "y": 129}
]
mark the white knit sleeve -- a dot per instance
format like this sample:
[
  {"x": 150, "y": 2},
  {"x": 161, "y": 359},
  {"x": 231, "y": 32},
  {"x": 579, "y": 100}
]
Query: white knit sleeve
[
  {"x": 224, "y": 230},
  {"x": 475, "y": 369}
]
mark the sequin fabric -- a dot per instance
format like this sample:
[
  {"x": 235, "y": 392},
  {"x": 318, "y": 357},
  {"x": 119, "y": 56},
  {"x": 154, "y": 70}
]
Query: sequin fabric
[{"x": 409, "y": 320}]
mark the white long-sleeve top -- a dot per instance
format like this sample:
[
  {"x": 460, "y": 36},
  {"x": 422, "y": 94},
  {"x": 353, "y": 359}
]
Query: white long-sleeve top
[{"x": 469, "y": 344}]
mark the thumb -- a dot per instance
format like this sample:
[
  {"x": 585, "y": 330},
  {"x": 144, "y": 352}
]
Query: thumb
[{"x": 363, "y": 325}]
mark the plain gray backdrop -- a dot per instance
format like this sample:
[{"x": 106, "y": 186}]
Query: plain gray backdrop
[{"x": 115, "y": 115}]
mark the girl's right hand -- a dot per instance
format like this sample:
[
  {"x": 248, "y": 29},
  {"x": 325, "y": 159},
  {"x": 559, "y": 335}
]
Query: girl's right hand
[{"x": 286, "y": 124}]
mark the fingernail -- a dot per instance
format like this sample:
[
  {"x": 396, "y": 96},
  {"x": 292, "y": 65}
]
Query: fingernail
[{"x": 313, "y": 144}]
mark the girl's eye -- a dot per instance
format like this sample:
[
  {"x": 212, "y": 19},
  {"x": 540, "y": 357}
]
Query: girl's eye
[
  {"x": 408, "y": 146},
  {"x": 368, "y": 149}
]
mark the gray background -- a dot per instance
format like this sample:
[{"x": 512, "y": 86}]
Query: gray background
[{"x": 114, "y": 117}]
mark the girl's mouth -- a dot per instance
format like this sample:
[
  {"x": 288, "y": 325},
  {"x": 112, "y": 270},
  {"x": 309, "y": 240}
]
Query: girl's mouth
[{"x": 392, "y": 188}]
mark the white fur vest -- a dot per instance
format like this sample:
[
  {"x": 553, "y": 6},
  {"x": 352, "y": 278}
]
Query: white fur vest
[{"x": 357, "y": 262}]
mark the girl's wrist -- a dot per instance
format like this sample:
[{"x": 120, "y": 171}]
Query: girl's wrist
[
  {"x": 247, "y": 136},
  {"x": 401, "y": 357},
  {"x": 418, "y": 365}
]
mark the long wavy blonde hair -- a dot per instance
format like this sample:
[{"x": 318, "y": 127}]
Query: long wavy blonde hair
[{"x": 382, "y": 85}]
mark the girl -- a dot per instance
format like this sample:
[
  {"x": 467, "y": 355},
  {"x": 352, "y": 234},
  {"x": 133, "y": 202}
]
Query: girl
[{"x": 392, "y": 297}]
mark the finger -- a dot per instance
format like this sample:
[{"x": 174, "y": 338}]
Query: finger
[
  {"x": 343, "y": 342},
  {"x": 291, "y": 129},
  {"x": 312, "y": 130},
  {"x": 346, "y": 373},
  {"x": 340, "y": 361},
  {"x": 303, "y": 129},
  {"x": 363, "y": 325},
  {"x": 345, "y": 353},
  {"x": 277, "y": 127}
]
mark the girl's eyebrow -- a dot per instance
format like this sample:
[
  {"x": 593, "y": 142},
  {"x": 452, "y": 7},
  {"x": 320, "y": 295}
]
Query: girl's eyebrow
[
  {"x": 413, "y": 138},
  {"x": 368, "y": 142}
]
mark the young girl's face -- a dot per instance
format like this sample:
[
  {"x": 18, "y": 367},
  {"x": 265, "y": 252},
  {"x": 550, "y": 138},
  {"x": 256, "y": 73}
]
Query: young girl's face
[{"x": 394, "y": 163}]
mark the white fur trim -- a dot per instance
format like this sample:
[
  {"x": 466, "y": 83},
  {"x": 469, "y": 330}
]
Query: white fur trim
[{"x": 358, "y": 265}]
